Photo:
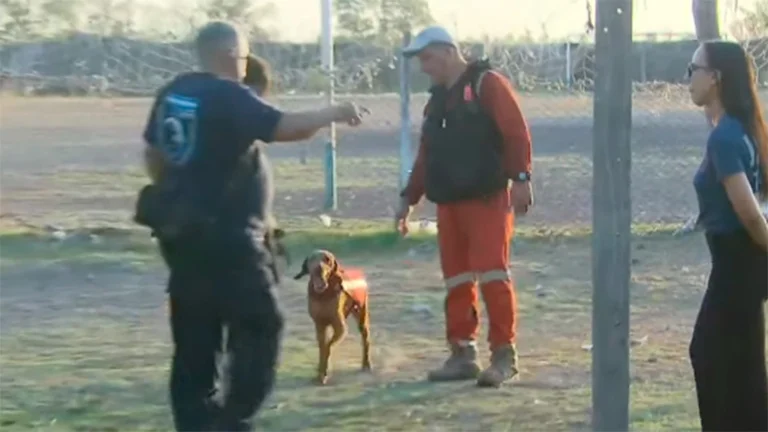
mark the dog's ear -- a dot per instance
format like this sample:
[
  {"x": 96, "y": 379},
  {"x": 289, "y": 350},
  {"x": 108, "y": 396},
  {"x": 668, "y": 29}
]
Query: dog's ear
[
  {"x": 304, "y": 270},
  {"x": 334, "y": 266},
  {"x": 335, "y": 277},
  {"x": 278, "y": 233}
]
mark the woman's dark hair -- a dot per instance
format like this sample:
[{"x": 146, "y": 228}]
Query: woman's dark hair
[
  {"x": 738, "y": 95},
  {"x": 258, "y": 74}
]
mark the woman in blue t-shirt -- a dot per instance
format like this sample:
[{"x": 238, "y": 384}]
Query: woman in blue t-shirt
[
  {"x": 259, "y": 79},
  {"x": 728, "y": 344}
]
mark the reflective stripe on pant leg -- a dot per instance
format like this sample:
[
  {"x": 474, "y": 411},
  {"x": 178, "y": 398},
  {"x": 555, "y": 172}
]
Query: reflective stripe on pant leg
[
  {"x": 490, "y": 226},
  {"x": 461, "y": 297},
  {"x": 458, "y": 280},
  {"x": 494, "y": 275},
  {"x": 462, "y": 321},
  {"x": 501, "y": 302}
]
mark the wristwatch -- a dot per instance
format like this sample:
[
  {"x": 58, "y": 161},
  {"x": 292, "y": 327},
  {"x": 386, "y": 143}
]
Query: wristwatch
[{"x": 522, "y": 177}]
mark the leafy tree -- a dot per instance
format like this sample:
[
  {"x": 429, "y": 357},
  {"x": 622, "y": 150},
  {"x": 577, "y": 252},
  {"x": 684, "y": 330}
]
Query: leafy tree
[
  {"x": 18, "y": 22},
  {"x": 755, "y": 22},
  {"x": 384, "y": 21},
  {"x": 356, "y": 18},
  {"x": 112, "y": 17},
  {"x": 705, "y": 18},
  {"x": 63, "y": 15},
  {"x": 250, "y": 14}
]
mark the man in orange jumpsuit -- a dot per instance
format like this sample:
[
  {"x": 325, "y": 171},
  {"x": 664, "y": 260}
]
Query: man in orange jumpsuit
[{"x": 474, "y": 142}]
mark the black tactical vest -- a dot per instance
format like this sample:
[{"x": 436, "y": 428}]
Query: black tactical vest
[{"x": 463, "y": 142}]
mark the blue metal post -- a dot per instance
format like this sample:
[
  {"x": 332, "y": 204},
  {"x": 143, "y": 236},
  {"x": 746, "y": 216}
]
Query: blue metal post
[
  {"x": 405, "y": 115},
  {"x": 326, "y": 50}
]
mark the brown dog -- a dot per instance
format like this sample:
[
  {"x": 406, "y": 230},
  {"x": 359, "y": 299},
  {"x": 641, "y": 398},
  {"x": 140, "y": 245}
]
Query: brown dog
[{"x": 333, "y": 295}]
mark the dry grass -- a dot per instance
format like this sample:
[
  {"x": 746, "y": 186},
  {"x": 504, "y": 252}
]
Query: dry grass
[
  {"x": 85, "y": 342},
  {"x": 85, "y": 345}
]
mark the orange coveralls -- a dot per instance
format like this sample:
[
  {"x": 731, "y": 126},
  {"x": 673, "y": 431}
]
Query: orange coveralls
[{"x": 474, "y": 235}]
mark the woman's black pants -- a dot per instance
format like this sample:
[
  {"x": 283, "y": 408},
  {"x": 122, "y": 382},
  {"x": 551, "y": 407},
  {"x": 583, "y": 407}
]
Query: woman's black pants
[{"x": 728, "y": 344}]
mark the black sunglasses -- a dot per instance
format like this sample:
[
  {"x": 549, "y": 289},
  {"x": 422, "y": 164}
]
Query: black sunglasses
[{"x": 693, "y": 67}]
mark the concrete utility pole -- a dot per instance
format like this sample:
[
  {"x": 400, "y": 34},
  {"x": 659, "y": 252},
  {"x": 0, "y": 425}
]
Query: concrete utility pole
[
  {"x": 705, "y": 18},
  {"x": 611, "y": 215}
]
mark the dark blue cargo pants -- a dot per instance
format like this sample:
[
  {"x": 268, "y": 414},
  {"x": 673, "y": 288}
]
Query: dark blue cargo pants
[{"x": 215, "y": 285}]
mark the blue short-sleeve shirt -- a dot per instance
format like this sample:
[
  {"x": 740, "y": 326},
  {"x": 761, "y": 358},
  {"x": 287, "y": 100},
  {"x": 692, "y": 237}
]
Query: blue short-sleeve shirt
[
  {"x": 730, "y": 150},
  {"x": 204, "y": 125}
]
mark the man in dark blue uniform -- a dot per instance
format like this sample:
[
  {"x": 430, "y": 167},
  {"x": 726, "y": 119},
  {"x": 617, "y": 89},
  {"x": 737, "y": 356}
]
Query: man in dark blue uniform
[{"x": 201, "y": 211}]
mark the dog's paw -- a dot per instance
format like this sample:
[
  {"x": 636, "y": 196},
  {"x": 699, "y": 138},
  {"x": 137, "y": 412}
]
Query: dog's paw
[
  {"x": 321, "y": 380},
  {"x": 367, "y": 368}
]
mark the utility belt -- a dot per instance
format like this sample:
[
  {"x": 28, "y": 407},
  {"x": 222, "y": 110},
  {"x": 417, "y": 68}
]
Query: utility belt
[
  {"x": 171, "y": 213},
  {"x": 172, "y": 217},
  {"x": 172, "y": 209}
]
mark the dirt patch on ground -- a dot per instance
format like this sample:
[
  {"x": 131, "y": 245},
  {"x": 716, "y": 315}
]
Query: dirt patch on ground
[
  {"x": 85, "y": 346},
  {"x": 53, "y": 150}
]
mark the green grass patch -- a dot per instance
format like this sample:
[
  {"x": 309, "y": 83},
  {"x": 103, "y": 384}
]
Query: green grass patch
[
  {"x": 30, "y": 247},
  {"x": 346, "y": 237},
  {"x": 84, "y": 358}
]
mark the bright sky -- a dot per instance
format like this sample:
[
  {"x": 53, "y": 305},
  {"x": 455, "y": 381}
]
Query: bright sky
[
  {"x": 564, "y": 18},
  {"x": 299, "y": 20}
]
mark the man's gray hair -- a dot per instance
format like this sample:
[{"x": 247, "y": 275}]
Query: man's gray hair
[{"x": 214, "y": 36}]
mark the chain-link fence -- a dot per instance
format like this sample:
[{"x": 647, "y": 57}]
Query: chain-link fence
[
  {"x": 553, "y": 75},
  {"x": 554, "y": 80},
  {"x": 128, "y": 70}
]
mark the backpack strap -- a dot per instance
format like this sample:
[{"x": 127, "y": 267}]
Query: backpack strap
[{"x": 478, "y": 70}]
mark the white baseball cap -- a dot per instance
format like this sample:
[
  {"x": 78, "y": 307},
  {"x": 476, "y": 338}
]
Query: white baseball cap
[{"x": 434, "y": 35}]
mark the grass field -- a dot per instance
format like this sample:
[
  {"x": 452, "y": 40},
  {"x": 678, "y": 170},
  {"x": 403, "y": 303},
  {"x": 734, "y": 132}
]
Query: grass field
[
  {"x": 85, "y": 340},
  {"x": 85, "y": 344}
]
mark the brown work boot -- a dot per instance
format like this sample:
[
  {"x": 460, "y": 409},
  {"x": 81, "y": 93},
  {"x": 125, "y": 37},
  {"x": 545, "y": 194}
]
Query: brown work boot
[
  {"x": 461, "y": 365},
  {"x": 503, "y": 367}
]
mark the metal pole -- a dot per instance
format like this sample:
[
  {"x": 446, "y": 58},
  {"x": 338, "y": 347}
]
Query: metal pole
[
  {"x": 568, "y": 65},
  {"x": 405, "y": 114},
  {"x": 706, "y": 19},
  {"x": 326, "y": 51},
  {"x": 611, "y": 215}
]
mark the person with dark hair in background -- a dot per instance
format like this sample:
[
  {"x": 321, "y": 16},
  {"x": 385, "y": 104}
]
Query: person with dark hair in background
[
  {"x": 728, "y": 345},
  {"x": 258, "y": 78},
  {"x": 200, "y": 208},
  {"x": 258, "y": 75}
]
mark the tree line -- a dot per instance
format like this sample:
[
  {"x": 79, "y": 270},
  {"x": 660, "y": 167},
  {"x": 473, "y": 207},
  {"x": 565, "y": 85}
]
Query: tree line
[{"x": 30, "y": 20}]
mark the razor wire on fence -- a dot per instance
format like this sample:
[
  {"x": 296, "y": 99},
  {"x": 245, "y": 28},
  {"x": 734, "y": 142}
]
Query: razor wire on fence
[
  {"x": 554, "y": 84},
  {"x": 554, "y": 79}
]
